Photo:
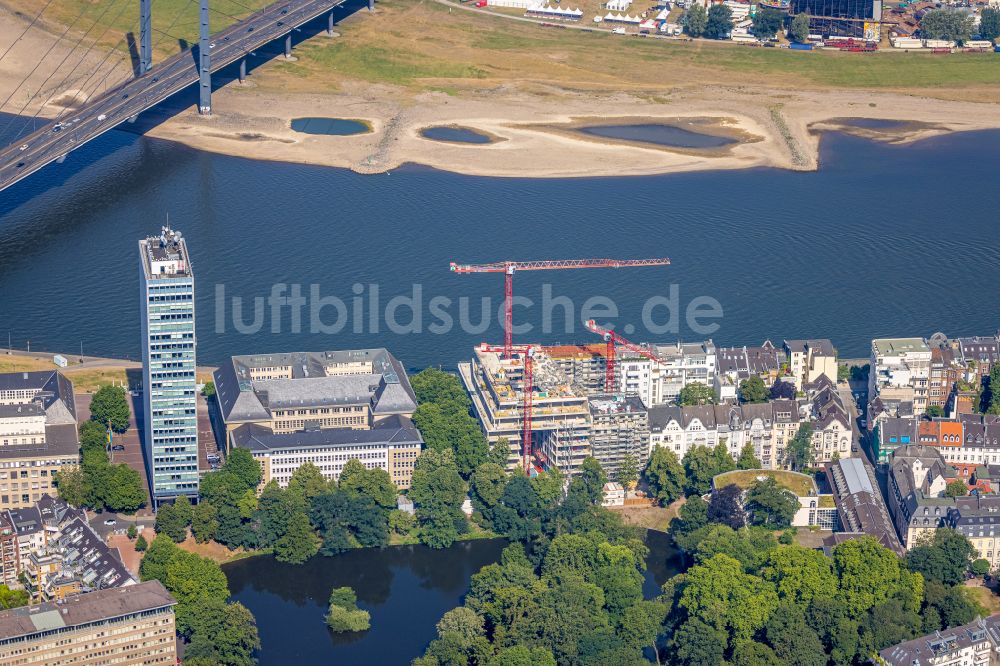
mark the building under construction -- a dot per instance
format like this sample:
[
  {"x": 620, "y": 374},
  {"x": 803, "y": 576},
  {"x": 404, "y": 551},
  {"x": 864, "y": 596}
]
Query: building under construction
[
  {"x": 560, "y": 421},
  {"x": 619, "y": 428},
  {"x": 841, "y": 18},
  {"x": 584, "y": 366}
]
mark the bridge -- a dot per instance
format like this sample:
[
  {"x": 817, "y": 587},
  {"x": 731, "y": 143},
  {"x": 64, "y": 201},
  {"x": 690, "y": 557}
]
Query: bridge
[{"x": 100, "y": 114}]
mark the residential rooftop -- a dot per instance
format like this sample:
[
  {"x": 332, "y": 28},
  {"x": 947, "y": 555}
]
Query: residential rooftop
[
  {"x": 81, "y": 609},
  {"x": 899, "y": 346},
  {"x": 802, "y": 485}
]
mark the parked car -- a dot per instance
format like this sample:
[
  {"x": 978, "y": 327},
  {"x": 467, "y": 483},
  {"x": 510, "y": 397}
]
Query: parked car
[
  {"x": 110, "y": 521},
  {"x": 117, "y": 447}
]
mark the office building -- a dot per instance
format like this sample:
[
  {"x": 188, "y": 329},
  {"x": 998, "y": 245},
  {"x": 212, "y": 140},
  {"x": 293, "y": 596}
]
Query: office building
[
  {"x": 38, "y": 434},
  {"x": 841, "y": 18},
  {"x": 900, "y": 373},
  {"x": 321, "y": 407},
  {"x": 132, "y": 626},
  {"x": 168, "y": 366}
]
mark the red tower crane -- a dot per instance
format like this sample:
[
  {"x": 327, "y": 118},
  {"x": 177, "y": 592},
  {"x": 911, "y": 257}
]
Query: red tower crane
[
  {"x": 508, "y": 268},
  {"x": 527, "y": 391},
  {"x": 612, "y": 339}
]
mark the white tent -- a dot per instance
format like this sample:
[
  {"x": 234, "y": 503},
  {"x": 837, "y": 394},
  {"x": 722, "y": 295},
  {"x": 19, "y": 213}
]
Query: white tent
[
  {"x": 662, "y": 16},
  {"x": 618, "y": 5}
]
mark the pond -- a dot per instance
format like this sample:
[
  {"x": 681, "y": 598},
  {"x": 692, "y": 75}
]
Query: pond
[
  {"x": 405, "y": 588},
  {"x": 455, "y": 134},
  {"x": 658, "y": 134},
  {"x": 870, "y": 123},
  {"x": 330, "y": 126}
]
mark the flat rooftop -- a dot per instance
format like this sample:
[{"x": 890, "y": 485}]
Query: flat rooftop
[
  {"x": 616, "y": 404},
  {"x": 895, "y": 346},
  {"x": 802, "y": 485},
  {"x": 166, "y": 255},
  {"x": 83, "y": 609}
]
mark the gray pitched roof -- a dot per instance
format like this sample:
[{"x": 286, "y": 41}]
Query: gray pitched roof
[{"x": 393, "y": 429}]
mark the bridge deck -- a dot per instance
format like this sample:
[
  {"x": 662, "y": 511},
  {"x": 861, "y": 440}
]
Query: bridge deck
[{"x": 103, "y": 113}]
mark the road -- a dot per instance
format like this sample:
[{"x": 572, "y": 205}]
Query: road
[{"x": 59, "y": 137}]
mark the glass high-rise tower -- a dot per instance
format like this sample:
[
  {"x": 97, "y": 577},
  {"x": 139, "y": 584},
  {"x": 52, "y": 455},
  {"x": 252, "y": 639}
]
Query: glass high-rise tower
[{"x": 168, "y": 366}]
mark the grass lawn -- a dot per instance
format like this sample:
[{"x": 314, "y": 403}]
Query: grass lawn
[
  {"x": 800, "y": 484},
  {"x": 424, "y": 45}
]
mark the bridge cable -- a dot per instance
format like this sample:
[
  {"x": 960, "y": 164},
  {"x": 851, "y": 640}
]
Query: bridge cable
[
  {"x": 39, "y": 63},
  {"x": 61, "y": 84},
  {"x": 25, "y": 31}
]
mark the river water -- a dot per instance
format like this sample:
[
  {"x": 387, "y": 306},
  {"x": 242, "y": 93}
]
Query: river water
[
  {"x": 882, "y": 240},
  {"x": 406, "y": 589}
]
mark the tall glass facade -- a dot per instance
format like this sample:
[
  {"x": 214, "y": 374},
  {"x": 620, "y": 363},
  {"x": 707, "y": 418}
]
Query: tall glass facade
[{"x": 168, "y": 354}]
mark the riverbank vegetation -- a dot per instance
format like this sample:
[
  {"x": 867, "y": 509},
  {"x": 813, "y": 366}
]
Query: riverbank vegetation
[
  {"x": 344, "y": 614},
  {"x": 216, "y": 631}
]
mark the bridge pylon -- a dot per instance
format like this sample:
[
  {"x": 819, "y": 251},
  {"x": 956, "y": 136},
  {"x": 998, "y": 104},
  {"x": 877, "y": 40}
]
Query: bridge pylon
[
  {"x": 204, "y": 63},
  {"x": 145, "y": 36}
]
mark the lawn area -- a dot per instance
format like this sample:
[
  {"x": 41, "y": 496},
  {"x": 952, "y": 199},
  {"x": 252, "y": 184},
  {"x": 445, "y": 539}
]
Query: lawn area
[
  {"x": 649, "y": 517},
  {"x": 800, "y": 484},
  {"x": 424, "y": 45},
  {"x": 420, "y": 44}
]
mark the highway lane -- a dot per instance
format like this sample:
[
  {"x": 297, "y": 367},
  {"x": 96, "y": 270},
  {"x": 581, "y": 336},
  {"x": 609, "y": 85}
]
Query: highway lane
[{"x": 58, "y": 138}]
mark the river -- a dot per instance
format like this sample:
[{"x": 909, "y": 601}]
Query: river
[
  {"x": 882, "y": 240},
  {"x": 405, "y": 588}
]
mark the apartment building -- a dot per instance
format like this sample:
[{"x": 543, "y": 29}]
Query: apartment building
[
  {"x": 619, "y": 428},
  {"x": 561, "y": 422},
  {"x": 660, "y": 382},
  {"x": 166, "y": 290},
  {"x": 735, "y": 364},
  {"x": 972, "y": 644},
  {"x": 977, "y": 518},
  {"x": 832, "y": 432},
  {"x": 900, "y": 371},
  {"x": 977, "y": 354},
  {"x": 50, "y": 550},
  {"x": 132, "y": 626},
  {"x": 585, "y": 366},
  {"x": 321, "y": 407},
  {"x": 808, "y": 360},
  {"x": 918, "y": 476},
  {"x": 38, "y": 434},
  {"x": 945, "y": 370},
  {"x": 890, "y": 434}
]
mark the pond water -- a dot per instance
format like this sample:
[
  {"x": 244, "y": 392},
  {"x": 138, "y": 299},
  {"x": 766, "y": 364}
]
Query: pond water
[
  {"x": 870, "y": 123},
  {"x": 658, "y": 134},
  {"x": 405, "y": 588},
  {"x": 455, "y": 134},
  {"x": 330, "y": 126}
]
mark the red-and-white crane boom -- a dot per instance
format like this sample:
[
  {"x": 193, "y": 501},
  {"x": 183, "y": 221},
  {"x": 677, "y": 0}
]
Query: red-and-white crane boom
[
  {"x": 509, "y": 267},
  {"x": 612, "y": 339},
  {"x": 527, "y": 394}
]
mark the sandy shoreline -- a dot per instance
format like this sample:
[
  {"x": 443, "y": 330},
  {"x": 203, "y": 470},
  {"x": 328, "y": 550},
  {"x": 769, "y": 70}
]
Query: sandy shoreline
[{"x": 783, "y": 129}]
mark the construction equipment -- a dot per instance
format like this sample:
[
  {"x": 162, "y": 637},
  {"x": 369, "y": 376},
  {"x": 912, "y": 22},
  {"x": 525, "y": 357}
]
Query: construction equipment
[
  {"x": 527, "y": 391},
  {"x": 612, "y": 339},
  {"x": 508, "y": 268}
]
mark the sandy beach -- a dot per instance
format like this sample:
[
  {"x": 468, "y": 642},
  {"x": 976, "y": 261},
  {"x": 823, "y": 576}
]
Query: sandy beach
[{"x": 782, "y": 128}]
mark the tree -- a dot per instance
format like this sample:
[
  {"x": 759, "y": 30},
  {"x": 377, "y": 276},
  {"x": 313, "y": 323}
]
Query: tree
[
  {"x": 628, "y": 471},
  {"x": 438, "y": 491},
  {"x": 140, "y": 544},
  {"x": 131, "y": 532},
  {"x": 373, "y": 483},
  {"x": 980, "y": 567},
  {"x": 695, "y": 21},
  {"x": 799, "y": 452},
  {"x": 594, "y": 478},
  {"x": 488, "y": 483},
  {"x": 73, "y": 486},
  {"x": 665, "y": 475},
  {"x": 722, "y": 595},
  {"x": 170, "y": 522},
  {"x": 794, "y": 641},
  {"x": 748, "y": 459},
  {"x": 243, "y": 469},
  {"x": 800, "y": 575},
  {"x": 124, "y": 491},
  {"x": 698, "y": 643},
  {"x": 956, "y": 488},
  {"x": 223, "y": 633},
  {"x": 726, "y": 507},
  {"x": 989, "y": 23},
  {"x": 299, "y": 542},
  {"x": 934, "y": 412},
  {"x": 693, "y": 516},
  {"x": 752, "y": 389},
  {"x": 343, "y": 614},
  {"x": 719, "y": 23},
  {"x": 109, "y": 407},
  {"x": 749, "y": 546},
  {"x": 208, "y": 390},
  {"x": 782, "y": 390},
  {"x": 945, "y": 557},
  {"x": 309, "y": 482},
  {"x": 870, "y": 574},
  {"x": 401, "y": 522},
  {"x": 93, "y": 435},
  {"x": 204, "y": 524},
  {"x": 701, "y": 464},
  {"x": 767, "y": 22},
  {"x": 13, "y": 598},
  {"x": 799, "y": 29},
  {"x": 445, "y": 421},
  {"x": 770, "y": 504},
  {"x": 696, "y": 393},
  {"x": 462, "y": 621},
  {"x": 953, "y": 25}
]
